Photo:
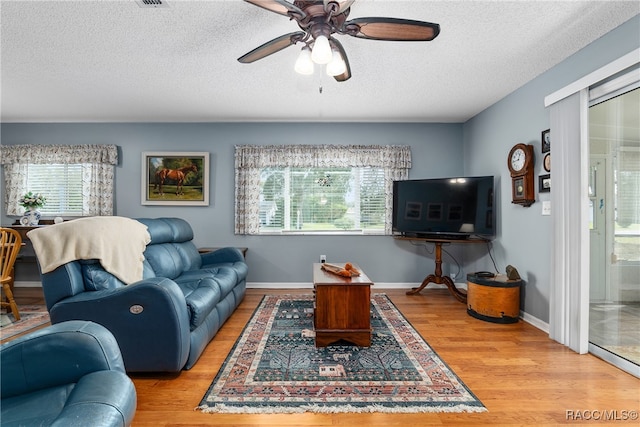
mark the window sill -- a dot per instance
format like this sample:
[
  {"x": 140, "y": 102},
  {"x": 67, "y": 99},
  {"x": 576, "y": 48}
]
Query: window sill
[{"x": 322, "y": 233}]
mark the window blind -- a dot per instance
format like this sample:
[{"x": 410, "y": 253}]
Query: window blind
[
  {"x": 62, "y": 186},
  {"x": 322, "y": 199}
]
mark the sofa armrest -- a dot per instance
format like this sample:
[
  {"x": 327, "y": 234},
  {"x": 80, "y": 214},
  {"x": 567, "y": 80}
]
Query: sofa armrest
[
  {"x": 222, "y": 255},
  {"x": 104, "y": 398},
  {"x": 149, "y": 319},
  {"x": 57, "y": 355}
]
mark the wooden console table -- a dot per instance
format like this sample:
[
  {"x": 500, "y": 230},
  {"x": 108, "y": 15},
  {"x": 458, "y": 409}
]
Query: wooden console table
[
  {"x": 342, "y": 308},
  {"x": 27, "y": 253},
  {"x": 437, "y": 276}
]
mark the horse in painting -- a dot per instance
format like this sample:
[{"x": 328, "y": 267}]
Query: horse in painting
[{"x": 177, "y": 175}]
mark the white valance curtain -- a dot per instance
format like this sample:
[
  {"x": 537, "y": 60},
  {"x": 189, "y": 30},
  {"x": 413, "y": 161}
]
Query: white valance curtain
[
  {"x": 568, "y": 317},
  {"x": 250, "y": 159},
  {"x": 98, "y": 163}
]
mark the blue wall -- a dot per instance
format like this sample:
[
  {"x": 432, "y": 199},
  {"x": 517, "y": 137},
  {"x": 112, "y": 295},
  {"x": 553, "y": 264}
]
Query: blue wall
[
  {"x": 523, "y": 233},
  {"x": 435, "y": 151},
  {"x": 525, "y": 239}
]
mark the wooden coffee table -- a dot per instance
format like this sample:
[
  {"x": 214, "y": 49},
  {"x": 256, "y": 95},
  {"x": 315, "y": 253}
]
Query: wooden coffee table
[{"x": 342, "y": 307}]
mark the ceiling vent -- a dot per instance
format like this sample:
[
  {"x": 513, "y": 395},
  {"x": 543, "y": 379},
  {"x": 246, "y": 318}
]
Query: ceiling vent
[{"x": 152, "y": 3}]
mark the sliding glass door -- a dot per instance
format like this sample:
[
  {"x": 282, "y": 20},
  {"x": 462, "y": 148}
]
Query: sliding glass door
[{"x": 614, "y": 200}]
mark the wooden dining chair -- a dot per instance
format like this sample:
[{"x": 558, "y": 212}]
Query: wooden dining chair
[{"x": 10, "y": 243}]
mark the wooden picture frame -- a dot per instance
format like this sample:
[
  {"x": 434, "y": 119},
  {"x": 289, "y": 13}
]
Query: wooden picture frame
[{"x": 175, "y": 178}]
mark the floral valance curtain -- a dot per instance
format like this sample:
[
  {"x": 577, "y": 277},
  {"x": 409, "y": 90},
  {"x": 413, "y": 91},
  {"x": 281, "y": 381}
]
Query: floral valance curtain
[
  {"x": 98, "y": 163},
  {"x": 61, "y": 154},
  {"x": 250, "y": 159}
]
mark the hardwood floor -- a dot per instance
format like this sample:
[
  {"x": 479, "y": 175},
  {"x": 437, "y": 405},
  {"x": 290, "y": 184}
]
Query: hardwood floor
[{"x": 519, "y": 374}]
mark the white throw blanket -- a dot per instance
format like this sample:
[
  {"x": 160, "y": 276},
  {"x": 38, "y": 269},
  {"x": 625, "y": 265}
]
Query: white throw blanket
[{"x": 117, "y": 242}]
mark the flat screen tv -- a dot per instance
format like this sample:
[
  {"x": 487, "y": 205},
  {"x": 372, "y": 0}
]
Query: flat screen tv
[{"x": 445, "y": 208}]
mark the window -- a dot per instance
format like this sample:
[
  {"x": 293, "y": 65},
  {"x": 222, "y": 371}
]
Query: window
[
  {"x": 62, "y": 186},
  {"x": 317, "y": 188},
  {"x": 77, "y": 180},
  {"x": 322, "y": 199}
]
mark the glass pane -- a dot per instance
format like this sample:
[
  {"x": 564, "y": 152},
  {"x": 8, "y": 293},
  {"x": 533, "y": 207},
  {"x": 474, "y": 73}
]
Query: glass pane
[
  {"x": 61, "y": 184},
  {"x": 322, "y": 199},
  {"x": 614, "y": 316}
]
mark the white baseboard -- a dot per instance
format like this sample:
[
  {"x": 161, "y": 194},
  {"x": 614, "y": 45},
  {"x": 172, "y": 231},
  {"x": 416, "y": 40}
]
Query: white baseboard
[
  {"x": 309, "y": 285},
  {"x": 27, "y": 284},
  {"x": 287, "y": 285},
  {"x": 534, "y": 321},
  {"x": 273, "y": 285}
]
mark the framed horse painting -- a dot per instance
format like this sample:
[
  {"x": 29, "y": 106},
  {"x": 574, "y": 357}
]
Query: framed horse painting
[{"x": 175, "y": 178}]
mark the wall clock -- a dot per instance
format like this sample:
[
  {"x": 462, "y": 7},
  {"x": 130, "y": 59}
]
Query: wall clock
[{"x": 521, "y": 162}]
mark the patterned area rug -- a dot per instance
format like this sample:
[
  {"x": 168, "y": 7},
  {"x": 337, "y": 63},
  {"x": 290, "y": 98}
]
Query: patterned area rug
[
  {"x": 275, "y": 367},
  {"x": 31, "y": 317}
]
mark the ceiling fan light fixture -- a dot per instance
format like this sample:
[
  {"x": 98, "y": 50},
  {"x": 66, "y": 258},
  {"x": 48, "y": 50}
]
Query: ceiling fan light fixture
[
  {"x": 321, "y": 52},
  {"x": 304, "y": 64},
  {"x": 319, "y": 20},
  {"x": 337, "y": 65}
]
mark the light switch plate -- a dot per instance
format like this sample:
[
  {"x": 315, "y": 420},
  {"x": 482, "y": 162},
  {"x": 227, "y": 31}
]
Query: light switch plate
[{"x": 546, "y": 207}]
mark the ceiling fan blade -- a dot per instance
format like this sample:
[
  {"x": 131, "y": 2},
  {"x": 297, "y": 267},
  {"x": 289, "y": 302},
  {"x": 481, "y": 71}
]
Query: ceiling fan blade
[
  {"x": 343, "y": 4},
  {"x": 279, "y": 6},
  {"x": 392, "y": 29},
  {"x": 271, "y": 47},
  {"x": 347, "y": 74}
]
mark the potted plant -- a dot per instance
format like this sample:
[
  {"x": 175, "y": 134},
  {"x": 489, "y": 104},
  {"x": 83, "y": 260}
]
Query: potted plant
[{"x": 31, "y": 203}]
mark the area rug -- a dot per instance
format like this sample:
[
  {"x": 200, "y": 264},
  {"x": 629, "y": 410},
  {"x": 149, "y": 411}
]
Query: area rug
[
  {"x": 31, "y": 317},
  {"x": 274, "y": 367}
]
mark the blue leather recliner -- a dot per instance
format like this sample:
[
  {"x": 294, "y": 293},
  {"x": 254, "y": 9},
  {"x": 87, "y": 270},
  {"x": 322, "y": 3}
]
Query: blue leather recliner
[
  {"x": 69, "y": 374},
  {"x": 164, "y": 322}
]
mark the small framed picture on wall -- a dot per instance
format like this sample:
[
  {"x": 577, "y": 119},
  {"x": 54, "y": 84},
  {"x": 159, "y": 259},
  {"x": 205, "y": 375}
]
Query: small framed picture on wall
[
  {"x": 544, "y": 183},
  {"x": 545, "y": 142}
]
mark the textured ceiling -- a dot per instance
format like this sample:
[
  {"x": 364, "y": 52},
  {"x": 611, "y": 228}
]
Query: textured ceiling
[{"x": 113, "y": 61}]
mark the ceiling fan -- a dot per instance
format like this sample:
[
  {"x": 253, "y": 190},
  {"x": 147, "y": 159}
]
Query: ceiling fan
[{"x": 319, "y": 20}]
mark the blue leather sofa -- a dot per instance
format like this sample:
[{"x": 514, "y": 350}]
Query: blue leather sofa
[
  {"x": 69, "y": 374},
  {"x": 163, "y": 322}
]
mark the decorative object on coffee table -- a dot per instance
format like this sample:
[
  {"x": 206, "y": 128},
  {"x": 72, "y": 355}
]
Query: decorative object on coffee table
[{"x": 348, "y": 270}]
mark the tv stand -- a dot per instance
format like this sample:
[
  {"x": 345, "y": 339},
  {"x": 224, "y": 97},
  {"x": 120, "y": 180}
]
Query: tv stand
[{"x": 437, "y": 276}]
